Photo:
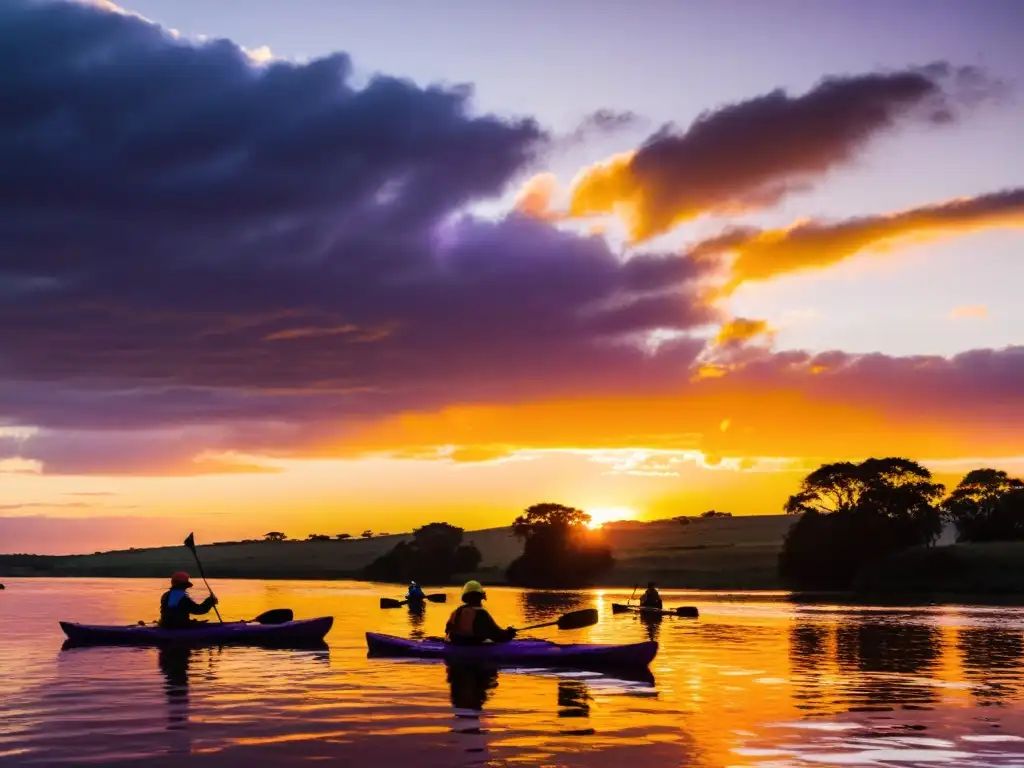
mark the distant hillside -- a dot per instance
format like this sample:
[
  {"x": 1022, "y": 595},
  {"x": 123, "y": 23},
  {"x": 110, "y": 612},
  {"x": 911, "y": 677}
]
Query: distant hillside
[{"x": 724, "y": 553}]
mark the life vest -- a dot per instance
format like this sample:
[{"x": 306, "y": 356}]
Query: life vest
[
  {"x": 174, "y": 610},
  {"x": 462, "y": 620}
]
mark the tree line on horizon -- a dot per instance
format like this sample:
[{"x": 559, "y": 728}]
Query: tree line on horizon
[
  {"x": 854, "y": 515},
  {"x": 559, "y": 551},
  {"x": 279, "y": 536}
]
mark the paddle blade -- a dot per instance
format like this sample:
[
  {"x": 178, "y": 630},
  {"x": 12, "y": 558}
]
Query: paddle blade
[
  {"x": 586, "y": 617},
  {"x": 619, "y": 608},
  {"x": 275, "y": 616},
  {"x": 190, "y": 542},
  {"x": 387, "y": 602},
  {"x": 437, "y": 598},
  {"x": 687, "y": 611}
]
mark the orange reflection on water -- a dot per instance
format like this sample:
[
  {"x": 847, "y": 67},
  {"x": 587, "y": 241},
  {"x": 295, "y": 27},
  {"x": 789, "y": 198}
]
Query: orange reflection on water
[{"x": 756, "y": 680}]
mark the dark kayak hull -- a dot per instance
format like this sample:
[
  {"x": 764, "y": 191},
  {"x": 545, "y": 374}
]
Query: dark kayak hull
[
  {"x": 531, "y": 652},
  {"x": 290, "y": 633},
  {"x": 685, "y": 611}
]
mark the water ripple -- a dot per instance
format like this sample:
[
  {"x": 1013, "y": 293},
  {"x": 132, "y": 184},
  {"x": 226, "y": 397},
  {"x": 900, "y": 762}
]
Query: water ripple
[{"x": 757, "y": 680}]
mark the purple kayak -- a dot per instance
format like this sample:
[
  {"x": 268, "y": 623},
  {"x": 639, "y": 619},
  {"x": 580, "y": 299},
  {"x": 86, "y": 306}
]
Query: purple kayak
[
  {"x": 304, "y": 631},
  {"x": 535, "y": 652}
]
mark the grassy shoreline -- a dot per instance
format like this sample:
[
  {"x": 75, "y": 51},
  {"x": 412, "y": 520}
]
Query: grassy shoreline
[{"x": 728, "y": 554}]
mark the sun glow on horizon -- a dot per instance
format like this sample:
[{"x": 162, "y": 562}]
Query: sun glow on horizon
[{"x": 601, "y": 515}]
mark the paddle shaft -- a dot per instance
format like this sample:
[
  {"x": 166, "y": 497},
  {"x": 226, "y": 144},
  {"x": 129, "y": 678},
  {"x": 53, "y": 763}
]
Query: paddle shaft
[
  {"x": 203, "y": 577},
  {"x": 635, "y": 588},
  {"x": 537, "y": 626},
  {"x": 586, "y": 617},
  {"x": 387, "y": 602}
]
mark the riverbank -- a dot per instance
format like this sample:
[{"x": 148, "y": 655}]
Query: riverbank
[
  {"x": 738, "y": 553},
  {"x": 725, "y": 553}
]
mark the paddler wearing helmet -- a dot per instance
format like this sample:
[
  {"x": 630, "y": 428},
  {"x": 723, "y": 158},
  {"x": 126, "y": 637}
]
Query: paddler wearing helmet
[
  {"x": 177, "y": 608},
  {"x": 471, "y": 624}
]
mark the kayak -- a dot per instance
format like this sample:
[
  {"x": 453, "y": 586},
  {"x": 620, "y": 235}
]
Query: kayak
[
  {"x": 538, "y": 652},
  {"x": 683, "y": 610},
  {"x": 304, "y": 631}
]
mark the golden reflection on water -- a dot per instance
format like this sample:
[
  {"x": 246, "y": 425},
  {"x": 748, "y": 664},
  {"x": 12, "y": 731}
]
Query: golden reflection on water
[{"x": 756, "y": 680}]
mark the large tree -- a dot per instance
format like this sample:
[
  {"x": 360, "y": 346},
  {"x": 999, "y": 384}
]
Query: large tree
[
  {"x": 434, "y": 555},
  {"x": 558, "y": 548},
  {"x": 854, "y": 513},
  {"x": 987, "y": 505},
  {"x": 546, "y": 516}
]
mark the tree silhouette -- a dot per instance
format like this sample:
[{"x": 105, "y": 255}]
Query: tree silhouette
[
  {"x": 343, "y": 536},
  {"x": 367, "y": 534},
  {"x": 434, "y": 555},
  {"x": 558, "y": 549},
  {"x": 855, "y": 513},
  {"x": 987, "y": 505},
  {"x": 274, "y": 536},
  {"x": 546, "y": 516},
  {"x": 318, "y": 537}
]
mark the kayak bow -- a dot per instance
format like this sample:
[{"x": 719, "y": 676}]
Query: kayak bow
[
  {"x": 535, "y": 652},
  {"x": 307, "y": 631}
]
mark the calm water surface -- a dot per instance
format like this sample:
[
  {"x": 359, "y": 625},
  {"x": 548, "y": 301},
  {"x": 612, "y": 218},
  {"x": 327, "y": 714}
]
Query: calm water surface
[{"x": 756, "y": 681}]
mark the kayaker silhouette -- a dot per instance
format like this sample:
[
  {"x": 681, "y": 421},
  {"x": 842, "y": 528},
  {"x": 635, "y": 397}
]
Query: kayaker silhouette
[
  {"x": 471, "y": 624},
  {"x": 415, "y": 593},
  {"x": 651, "y": 598},
  {"x": 177, "y": 608}
]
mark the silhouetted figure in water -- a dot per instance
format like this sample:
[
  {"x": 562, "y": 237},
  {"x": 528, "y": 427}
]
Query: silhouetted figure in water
[
  {"x": 651, "y": 598},
  {"x": 652, "y": 624},
  {"x": 174, "y": 664},
  {"x": 417, "y": 616},
  {"x": 471, "y": 686}
]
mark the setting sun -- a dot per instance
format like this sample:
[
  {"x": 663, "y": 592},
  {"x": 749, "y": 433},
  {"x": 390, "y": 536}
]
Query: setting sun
[{"x": 601, "y": 515}]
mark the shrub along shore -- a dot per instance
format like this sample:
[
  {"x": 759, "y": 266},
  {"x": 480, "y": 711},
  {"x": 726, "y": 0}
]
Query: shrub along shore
[{"x": 734, "y": 553}]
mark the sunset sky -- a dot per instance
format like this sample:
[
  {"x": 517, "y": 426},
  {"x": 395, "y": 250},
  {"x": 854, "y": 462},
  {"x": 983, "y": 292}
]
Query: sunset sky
[{"x": 327, "y": 265}]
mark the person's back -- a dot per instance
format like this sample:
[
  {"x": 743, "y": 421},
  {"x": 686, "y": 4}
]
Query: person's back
[
  {"x": 471, "y": 624},
  {"x": 651, "y": 598},
  {"x": 415, "y": 592},
  {"x": 177, "y": 608}
]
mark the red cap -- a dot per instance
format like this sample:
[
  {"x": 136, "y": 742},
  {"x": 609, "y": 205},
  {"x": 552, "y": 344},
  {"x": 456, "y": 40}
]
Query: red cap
[{"x": 181, "y": 578}]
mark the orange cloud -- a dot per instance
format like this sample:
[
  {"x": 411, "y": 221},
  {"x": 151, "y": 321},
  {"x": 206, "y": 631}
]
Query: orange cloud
[
  {"x": 741, "y": 330},
  {"x": 535, "y": 197},
  {"x": 766, "y": 254},
  {"x": 751, "y": 154},
  {"x": 969, "y": 312},
  {"x": 600, "y": 189},
  {"x": 787, "y": 405}
]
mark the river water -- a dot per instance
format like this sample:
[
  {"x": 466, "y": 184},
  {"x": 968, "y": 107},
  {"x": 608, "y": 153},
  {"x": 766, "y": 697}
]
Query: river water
[{"x": 757, "y": 680}]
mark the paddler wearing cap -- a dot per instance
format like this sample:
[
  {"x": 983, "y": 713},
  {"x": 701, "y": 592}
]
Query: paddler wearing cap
[
  {"x": 471, "y": 624},
  {"x": 177, "y": 608}
]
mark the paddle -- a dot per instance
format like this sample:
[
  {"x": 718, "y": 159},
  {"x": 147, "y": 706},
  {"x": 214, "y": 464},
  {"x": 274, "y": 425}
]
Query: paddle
[
  {"x": 273, "y": 616},
  {"x": 190, "y": 542},
  {"x": 586, "y": 617},
  {"x": 635, "y": 588},
  {"x": 387, "y": 602}
]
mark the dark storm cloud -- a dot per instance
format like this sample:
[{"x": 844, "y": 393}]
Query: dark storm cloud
[
  {"x": 189, "y": 239},
  {"x": 200, "y": 256}
]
